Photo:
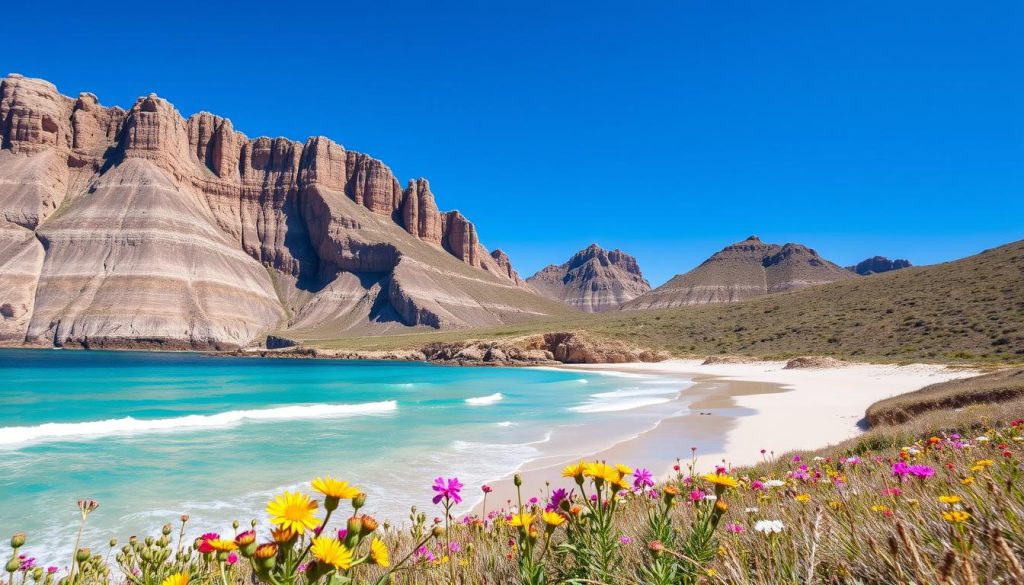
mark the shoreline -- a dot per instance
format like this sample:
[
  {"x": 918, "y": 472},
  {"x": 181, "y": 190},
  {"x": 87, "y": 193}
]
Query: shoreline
[{"x": 732, "y": 411}]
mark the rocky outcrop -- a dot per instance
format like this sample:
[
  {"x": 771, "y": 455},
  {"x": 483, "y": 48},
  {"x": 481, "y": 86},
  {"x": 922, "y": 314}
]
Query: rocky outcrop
[
  {"x": 744, "y": 270},
  {"x": 570, "y": 347},
  {"x": 140, "y": 228},
  {"x": 593, "y": 280},
  {"x": 878, "y": 265}
]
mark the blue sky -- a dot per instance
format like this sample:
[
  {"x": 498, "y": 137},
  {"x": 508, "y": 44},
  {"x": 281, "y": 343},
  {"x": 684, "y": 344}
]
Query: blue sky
[{"x": 668, "y": 129}]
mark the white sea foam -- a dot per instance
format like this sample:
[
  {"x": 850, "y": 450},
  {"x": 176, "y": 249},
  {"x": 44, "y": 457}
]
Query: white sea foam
[
  {"x": 130, "y": 425},
  {"x": 484, "y": 400},
  {"x": 617, "y": 405},
  {"x": 507, "y": 423},
  {"x": 638, "y": 391}
]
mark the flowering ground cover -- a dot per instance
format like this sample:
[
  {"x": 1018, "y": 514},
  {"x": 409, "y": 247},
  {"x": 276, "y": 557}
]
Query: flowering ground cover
[{"x": 946, "y": 507}]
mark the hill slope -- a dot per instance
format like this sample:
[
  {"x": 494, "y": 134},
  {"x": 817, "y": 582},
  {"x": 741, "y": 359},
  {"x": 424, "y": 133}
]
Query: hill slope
[
  {"x": 970, "y": 311},
  {"x": 139, "y": 228},
  {"x": 593, "y": 280},
  {"x": 741, "y": 271}
]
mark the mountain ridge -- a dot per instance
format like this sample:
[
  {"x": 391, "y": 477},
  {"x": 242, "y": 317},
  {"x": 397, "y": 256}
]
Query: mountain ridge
[
  {"x": 592, "y": 280},
  {"x": 142, "y": 228}
]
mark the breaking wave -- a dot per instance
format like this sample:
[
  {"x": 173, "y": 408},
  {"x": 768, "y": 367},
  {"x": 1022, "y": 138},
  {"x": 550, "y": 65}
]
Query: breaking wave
[{"x": 484, "y": 400}]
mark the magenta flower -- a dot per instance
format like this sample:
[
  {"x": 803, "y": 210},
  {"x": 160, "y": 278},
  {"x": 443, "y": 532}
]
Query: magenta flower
[
  {"x": 447, "y": 490},
  {"x": 557, "y": 497},
  {"x": 757, "y": 485},
  {"x": 642, "y": 478},
  {"x": 486, "y": 489},
  {"x": 921, "y": 471},
  {"x": 232, "y": 558},
  {"x": 696, "y": 496},
  {"x": 27, "y": 564},
  {"x": 343, "y": 534},
  {"x": 734, "y": 528},
  {"x": 454, "y": 547},
  {"x": 51, "y": 570},
  {"x": 899, "y": 469},
  {"x": 625, "y": 540}
]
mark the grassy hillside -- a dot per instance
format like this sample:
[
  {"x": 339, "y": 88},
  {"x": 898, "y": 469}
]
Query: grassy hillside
[{"x": 969, "y": 311}]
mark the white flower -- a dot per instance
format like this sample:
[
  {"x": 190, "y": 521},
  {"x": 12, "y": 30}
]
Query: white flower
[
  {"x": 913, "y": 450},
  {"x": 769, "y": 526},
  {"x": 774, "y": 483},
  {"x": 982, "y": 439},
  {"x": 819, "y": 458},
  {"x": 710, "y": 498},
  {"x": 753, "y": 510}
]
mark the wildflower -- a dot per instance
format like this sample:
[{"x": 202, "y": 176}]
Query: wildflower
[
  {"x": 293, "y": 511},
  {"x": 982, "y": 439},
  {"x": 221, "y": 544},
  {"x": 245, "y": 538},
  {"x": 232, "y": 559},
  {"x": 602, "y": 471},
  {"x": 852, "y": 460},
  {"x": 721, "y": 480},
  {"x": 625, "y": 540},
  {"x": 204, "y": 546},
  {"x": 335, "y": 489},
  {"x": 967, "y": 480},
  {"x": 899, "y": 469},
  {"x": 752, "y": 510},
  {"x": 623, "y": 469},
  {"x": 282, "y": 535},
  {"x": 880, "y": 508},
  {"x": 803, "y": 498},
  {"x": 574, "y": 470},
  {"x": 176, "y": 579},
  {"x": 894, "y": 492},
  {"x": 769, "y": 526},
  {"x": 696, "y": 496},
  {"x": 266, "y": 551},
  {"x": 486, "y": 489},
  {"x": 642, "y": 478},
  {"x": 982, "y": 465},
  {"x": 379, "y": 553},
  {"x": 949, "y": 499},
  {"x": 332, "y": 552},
  {"x": 558, "y": 496},
  {"x": 553, "y": 519},
  {"x": 447, "y": 490},
  {"x": 734, "y": 528},
  {"x": 921, "y": 471},
  {"x": 522, "y": 520},
  {"x": 757, "y": 485},
  {"x": 955, "y": 516},
  {"x": 773, "y": 483}
]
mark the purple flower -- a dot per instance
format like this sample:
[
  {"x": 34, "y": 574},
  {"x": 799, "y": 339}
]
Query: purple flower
[
  {"x": 921, "y": 471},
  {"x": 454, "y": 547},
  {"x": 425, "y": 554},
  {"x": 27, "y": 564},
  {"x": 342, "y": 534},
  {"x": 533, "y": 501},
  {"x": 642, "y": 479},
  {"x": 447, "y": 490},
  {"x": 734, "y": 528},
  {"x": 899, "y": 469},
  {"x": 625, "y": 540},
  {"x": 558, "y": 496}
]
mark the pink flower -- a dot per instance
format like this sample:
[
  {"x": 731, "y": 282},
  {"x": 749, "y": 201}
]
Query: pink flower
[
  {"x": 734, "y": 528},
  {"x": 696, "y": 496},
  {"x": 232, "y": 558},
  {"x": 486, "y": 489},
  {"x": 447, "y": 490},
  {"x": 204, "y": 545},
  {"x": 625, "y": 540},
  {"x": 757, "y": 485}
]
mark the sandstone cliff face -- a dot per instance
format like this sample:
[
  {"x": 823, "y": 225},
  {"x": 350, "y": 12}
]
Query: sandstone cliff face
[
  {"x": 744, "y": 270},
  {"x": 593, "y": 280},
  {"x": 878, "y": 265},
  {"x": 140, "y": 228}
]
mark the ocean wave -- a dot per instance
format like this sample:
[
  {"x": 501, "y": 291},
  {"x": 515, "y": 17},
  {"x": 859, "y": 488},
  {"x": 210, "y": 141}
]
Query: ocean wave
[
  {"x": 507, "y": 423},
  {"x": 484, "y": 400},
  {"x": 617, "y": 405},
  {"x": 638, "y": 391},
  {"x": 131, "y": 425}
]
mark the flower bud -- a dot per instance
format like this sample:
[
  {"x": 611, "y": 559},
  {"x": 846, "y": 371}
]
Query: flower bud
[
  {"x": 37, "y": 573},
  {"x": 359, "y": 500},
  {"x": 13, "y": 565},
  {"x": 369, "y": 524},
  {"x": 184, "y": 518},
  {"x": 517, "y": 480},
  {"x": 354, "y": 525},
  {"x": 266, "y": 555},
  {"x": 113, "y": 542},
  {"x": 331, "y": 503},
  {"x": 82, "y": 555},
  {"x": 437, "y": 531},
  {"x": 18, "y": 540}
]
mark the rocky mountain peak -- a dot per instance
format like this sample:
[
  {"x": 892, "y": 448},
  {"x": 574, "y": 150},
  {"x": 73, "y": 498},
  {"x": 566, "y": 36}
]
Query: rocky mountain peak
[
  {"x": 878, "y": 265},
  {"x": 592, "y": 280}
]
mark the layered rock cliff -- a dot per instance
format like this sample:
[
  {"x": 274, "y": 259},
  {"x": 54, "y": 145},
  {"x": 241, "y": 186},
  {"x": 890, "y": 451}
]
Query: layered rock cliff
[
  {"x": 593, "y": 280},
  {"x": 878, "y": 265},
  {"x": 744, "y": 270},
  {"x": 141, "y": 228}
]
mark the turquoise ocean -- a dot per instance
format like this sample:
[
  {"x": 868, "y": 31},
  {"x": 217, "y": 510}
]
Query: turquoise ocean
[{"x": 152, "y": 436}]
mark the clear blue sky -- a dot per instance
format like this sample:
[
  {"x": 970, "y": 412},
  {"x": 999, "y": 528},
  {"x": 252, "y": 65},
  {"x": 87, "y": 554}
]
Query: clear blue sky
[{"x": 668, "y": 129}]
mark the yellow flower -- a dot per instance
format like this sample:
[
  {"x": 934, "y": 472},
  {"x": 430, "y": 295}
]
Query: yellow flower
[
  {"x": 949, "y": 499},
  {"x": 835, "y": 504},
  {"x": 522, "y": 519},
  {"x": 331, "y": 551},
  {"x": 880, "y": 508},
  {"x": 721, "y": 479},
  {"x": 955, "y": 516},
  {"x": 803, "y": 498},
  {"x": 176, "y": 579},
  {"x": 967, "y": 480},
  {"x": 379, "y": 553},
  {"x": 553, "y": 519},
  {"x": 981, "y": 465},
  {"x": 602, "y": 471},
  {"x": 334, "y": 488},
  {"x": 281, "y": 535},
  {"x": 623, "y": 469},
  {"x": 222, "y": 545},
  {"x": 710, "y": 572},
  {"x": 574, "y": 470},
  {"x": 293, "y": 511}
]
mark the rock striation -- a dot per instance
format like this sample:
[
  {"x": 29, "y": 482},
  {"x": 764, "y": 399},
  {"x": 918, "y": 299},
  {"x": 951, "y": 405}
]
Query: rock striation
[
  {"x": 744, "y": 270},
  {"x": 878, "y": 265},
  {"x": 593, "y": 280},
  {"x": 140, "y": 228}
]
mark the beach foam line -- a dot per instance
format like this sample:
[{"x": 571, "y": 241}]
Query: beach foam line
[
  {"x": 485, "y": 400},
  {"x": 131, "y": 425},
  {"x": 617, "y": 405}
]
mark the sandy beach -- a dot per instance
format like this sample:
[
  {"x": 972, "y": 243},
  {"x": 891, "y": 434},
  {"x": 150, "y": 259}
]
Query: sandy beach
[{"x": 733, "y": 411}]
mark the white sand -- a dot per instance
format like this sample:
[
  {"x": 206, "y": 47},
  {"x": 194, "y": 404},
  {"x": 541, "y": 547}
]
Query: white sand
[{"x": 819, "y": 408}]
